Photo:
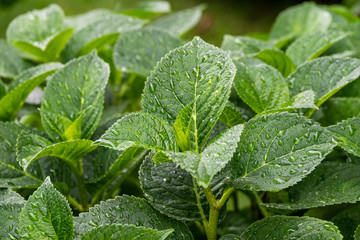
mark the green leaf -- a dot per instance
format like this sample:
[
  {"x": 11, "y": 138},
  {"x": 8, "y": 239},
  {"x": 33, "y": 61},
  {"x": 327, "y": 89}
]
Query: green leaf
[
  {"x": 46, "y": 215},
  {"x": 173, "y": 191},
  {"x": 277, "y": 150},
  {"x": 126, "y": 231},
  {"x": 148, "y": 9},
  {"x": 10, "y": 63},
  {"x": 260, "y": 86},
  {"x": 31, "y": 147},
  {"x": 242, "y": 46},
  {"x": 198, "y": 71},
  {"x": 139, "y": 129},
  {"x": 325, "y": 76},
  {"x": 326, "y": 185},
  {"x": 138, "y": 51},
  {"x": 73, "y": 99},
  {"x": 337, "y": 109},
  {"x": 99, "y": 33},
  {"x": 357, "y": 233},
  {"x": 311, "y": 46},
  {"x": 178, "y": 23},
  {"x": 10, "y": 207},
  {"x": 129, "y": 210},
  {"x": 347, "y": 133},
  {"x": 289, "y": 227},
  {"x": 299, "y": 20},
  {"x": 231, "y": 116},
  {"x": 39, "y": 34},
  {"x": 347, "y": 221},
  {"x": 230, "y": 237},
  {"x": 80, "y": 21},
  {"x": 214, "y": 158},
  {"x": 21, "y": 87},
  {"x": 278, "y": 60}
]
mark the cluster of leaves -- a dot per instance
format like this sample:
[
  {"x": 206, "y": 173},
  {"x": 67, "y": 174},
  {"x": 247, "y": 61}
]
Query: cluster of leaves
[{"x": 231, "y": 140}]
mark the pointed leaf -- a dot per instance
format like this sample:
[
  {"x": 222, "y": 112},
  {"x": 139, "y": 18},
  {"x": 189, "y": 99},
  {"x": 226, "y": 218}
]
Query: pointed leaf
[
  {"x": 289, "y": 227},
  {"x": 10, "y": 63},
  {"x": 46, "y": 214},
  {"x": 21, "y": 87},
  {"x": 180, "y": 22},
  {"x": 138, "y": 51},
  {"x": 129, "y": 210},
  {"x": 311, "y": 46},
  {"x": 278, "y": 60},
  {"x": 326, "y": 185},
  {"x": 173, "y": 191},
  {"x": 198, "y": 71},
  {"x": 275, "y": 151},
  {"x": 125, "y": 231},
  {"x": 99, "y": 33},
  {"x": 139, "y": 129},
  {"x": 347, "y": 133},
  {"x": 260, "y": 86},
  {"x": 73, "y": 98},
  {"x": 325, "y": 76}
]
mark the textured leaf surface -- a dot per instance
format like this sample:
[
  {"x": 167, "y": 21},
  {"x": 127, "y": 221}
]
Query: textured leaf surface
[
  {"x": 299, "y": 20},
  {"x": 330, "y": 183},
  {"x": 241, "y": 46},
  {"x": 311, "y": 46},
  {"x": 140, "y": 129},
  {"x": 277, "y": 150},
  {"x": 10, "y": 63},
  {"x": 347, "y": 133},
  {"x": 357, "y": 233},
  {"x": 21, "y": 87},
  {"x": 172, "y": 190},
  {"x": 278, "y": 60},
  {"x": 46, "y": 214},
  {"x": 138, "y": 51},
  {"x": 179, "y": 22},
  {"x": 129, "y": 210},
  {"x": 148, "y": 9},
  {"x": 260, "y": 86},
  {"x": 125, "y": 232},
  {"x": 99, "y": 33},
  {"x": 325, "y": 76},
  {"x": 231, "y": 116},
  {"x": 288, "y": 227},
  {"x": 198, "y": 71},
  {"x": 73, "y": 99},
  {"x": 80, "y": 21},
  {"x": 31, "y": 147},
  {"x": 10, "y": 207}
]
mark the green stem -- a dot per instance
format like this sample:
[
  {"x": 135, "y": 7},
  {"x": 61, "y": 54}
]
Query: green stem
[
  {"x": 79, "y": 174},
  {"x": 258, "y": 200},
  {"x": 75, "y": 204}
]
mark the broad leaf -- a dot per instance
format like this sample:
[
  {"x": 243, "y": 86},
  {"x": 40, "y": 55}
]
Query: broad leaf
[
  {"x": 39, "y": 34},
  {"x": 10, "y": 207},
  {"x": 148, "y": 9},
  {"x": 241, "y": 46},
  {"x": 337, "y": 109},
  {"x": 10, "y": 63},
  {"x": 139, "y": 129},
  {"x": 31, "y": 147},
  {"x": 230, "y": 237},
  {"x": 347, "y": 220},
  {"x": 214, "y": 158},
  {"x": 289, "y": 227},
  {"x": 325, "y": 76},
  {"x": 129, "y": 210},
  {"x": 198, "y": 71},
  {"x": 174, "y": 192},
  {"x": 99, "y": 33},
  {"x": 231, "y": 116},
  {"x": 21, "y": 87},
  {"x": 124, "y": 232},
  {"x": 278, "y": 60},
  {"x": 313, "y": 45},
  {"x": 138, "y": 51},
  {"x": 326, "y": 185},
  {"x": 46, "y": 214},
  {"x": 347, "y": 133},
  {"x": 260, "y": 86},
  {"x": 180, "y": 22},
  {"x": 73, "y": 99},
  {"x": 299, "y": 20},
  {"x": 276, "y": 151}
]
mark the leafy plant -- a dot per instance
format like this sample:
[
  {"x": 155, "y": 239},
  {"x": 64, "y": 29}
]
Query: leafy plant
[{"x": 139, "y": 133}]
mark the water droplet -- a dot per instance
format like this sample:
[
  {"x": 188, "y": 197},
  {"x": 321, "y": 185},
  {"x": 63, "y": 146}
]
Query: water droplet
[
  {"x": 281, "y": 142},
  {"x": 309, "y": 227},
  {"x": 329, "y": 227},
  {"x": 278, "y": 180},
  {"x": 351, "y": 130},
  {"x": 30, "y": 227},
  {"x": 250, "y": 146},
  {"x": 152, "y": 87},
  {"x": 33, "y": 217}
]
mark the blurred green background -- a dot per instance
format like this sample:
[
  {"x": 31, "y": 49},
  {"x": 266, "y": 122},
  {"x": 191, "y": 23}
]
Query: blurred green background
[{"x": 221, "y": 17}]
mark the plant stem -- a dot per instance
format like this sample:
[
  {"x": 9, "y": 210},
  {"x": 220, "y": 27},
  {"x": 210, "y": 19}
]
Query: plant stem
[
  {"x": 215, "y": 207},
  {"x": 258, "y": 200},
  {"x": 75, "y": 204},
  {"x": 79, "y": 174}
]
